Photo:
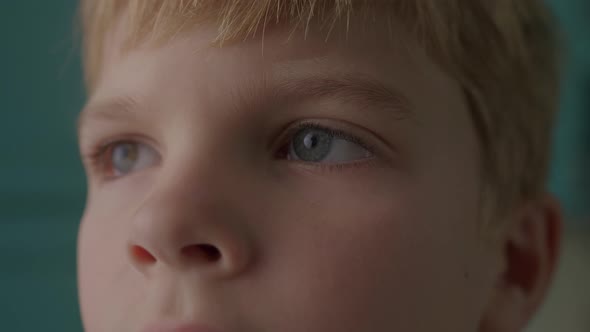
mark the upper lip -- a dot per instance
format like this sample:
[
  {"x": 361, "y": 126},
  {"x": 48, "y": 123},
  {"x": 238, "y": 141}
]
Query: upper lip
[{"x": 169, "y": 326}]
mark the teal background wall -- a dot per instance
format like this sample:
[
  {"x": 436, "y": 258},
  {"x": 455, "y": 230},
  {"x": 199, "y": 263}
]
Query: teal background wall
[
  {"x": 42, "y": 186},
  {"x": 571, "y": 172}
]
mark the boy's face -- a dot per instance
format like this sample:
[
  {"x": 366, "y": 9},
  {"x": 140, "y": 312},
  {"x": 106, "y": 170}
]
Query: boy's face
[{"x": 210, "y": 205}]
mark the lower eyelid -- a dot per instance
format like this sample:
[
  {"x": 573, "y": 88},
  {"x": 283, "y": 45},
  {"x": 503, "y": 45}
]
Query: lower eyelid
[{"x": 322, "y": 168}]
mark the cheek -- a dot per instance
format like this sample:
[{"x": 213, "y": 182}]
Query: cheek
[
  {"x": 107, "y": 287},
  {"x": 370, "y": 255}
]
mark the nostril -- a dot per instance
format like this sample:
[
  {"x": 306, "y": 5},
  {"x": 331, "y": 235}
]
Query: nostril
[
  {"x": 206, "y": 251},
  {"x": 142, "y": 255}
]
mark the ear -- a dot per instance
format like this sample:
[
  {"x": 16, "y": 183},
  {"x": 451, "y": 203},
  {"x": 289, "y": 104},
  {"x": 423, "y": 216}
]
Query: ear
[{"x": 529, "y": 250}]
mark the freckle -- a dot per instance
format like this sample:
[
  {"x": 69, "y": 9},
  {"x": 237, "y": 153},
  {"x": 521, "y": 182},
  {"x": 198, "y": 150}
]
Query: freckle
[{"x": 466, "y": 275}]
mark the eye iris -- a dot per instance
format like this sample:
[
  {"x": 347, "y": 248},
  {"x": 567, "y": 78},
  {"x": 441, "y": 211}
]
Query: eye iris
[
  {"x": 312, "y": 145},
  {"x": 124, "y": 157}
]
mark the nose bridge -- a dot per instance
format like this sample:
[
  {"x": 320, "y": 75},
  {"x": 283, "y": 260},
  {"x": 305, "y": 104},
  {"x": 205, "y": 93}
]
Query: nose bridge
[{"x": 187, "y": 221}]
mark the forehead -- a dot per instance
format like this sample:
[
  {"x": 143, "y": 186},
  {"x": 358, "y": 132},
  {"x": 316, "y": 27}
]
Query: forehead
[
  {"x": 382, "y": 48},
  {"x": 236, "y": 20},
  {"x": 274, "y": 40}
]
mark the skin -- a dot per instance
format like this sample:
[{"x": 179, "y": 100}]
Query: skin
[{"x": 385, "y": 243}]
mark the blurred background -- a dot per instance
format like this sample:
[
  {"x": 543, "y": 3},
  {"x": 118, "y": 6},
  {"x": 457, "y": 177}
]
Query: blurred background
[{"x": 42, "y": 185}]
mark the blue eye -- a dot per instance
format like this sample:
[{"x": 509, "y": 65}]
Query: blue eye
[
  {"x": 313, "y": 143},
  {"x": 121, "y": 158}
]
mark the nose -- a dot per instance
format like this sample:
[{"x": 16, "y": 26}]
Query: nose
[{"x": 187, "y": 230}]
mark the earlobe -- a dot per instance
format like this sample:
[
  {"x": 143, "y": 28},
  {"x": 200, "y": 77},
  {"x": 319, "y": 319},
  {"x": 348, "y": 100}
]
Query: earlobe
[{"x": 529, "y": 250}]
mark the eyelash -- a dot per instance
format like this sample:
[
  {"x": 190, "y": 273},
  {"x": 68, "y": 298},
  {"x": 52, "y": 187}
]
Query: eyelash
[{"x": 97, "y": 155}]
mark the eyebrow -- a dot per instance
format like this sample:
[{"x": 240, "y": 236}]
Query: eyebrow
[
  {"x": 363, "y": 91},
  {"x": 113, "y": 109},
  {"x": 360, "y": 90}
]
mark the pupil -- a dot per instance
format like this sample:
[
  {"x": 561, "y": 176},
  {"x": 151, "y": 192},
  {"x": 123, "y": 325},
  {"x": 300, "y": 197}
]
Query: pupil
[{"x": 310, "y": 140}]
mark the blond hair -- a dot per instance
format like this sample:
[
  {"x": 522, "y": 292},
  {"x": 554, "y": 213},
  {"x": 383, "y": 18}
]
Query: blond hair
[{"x": 502, "y": 52}]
